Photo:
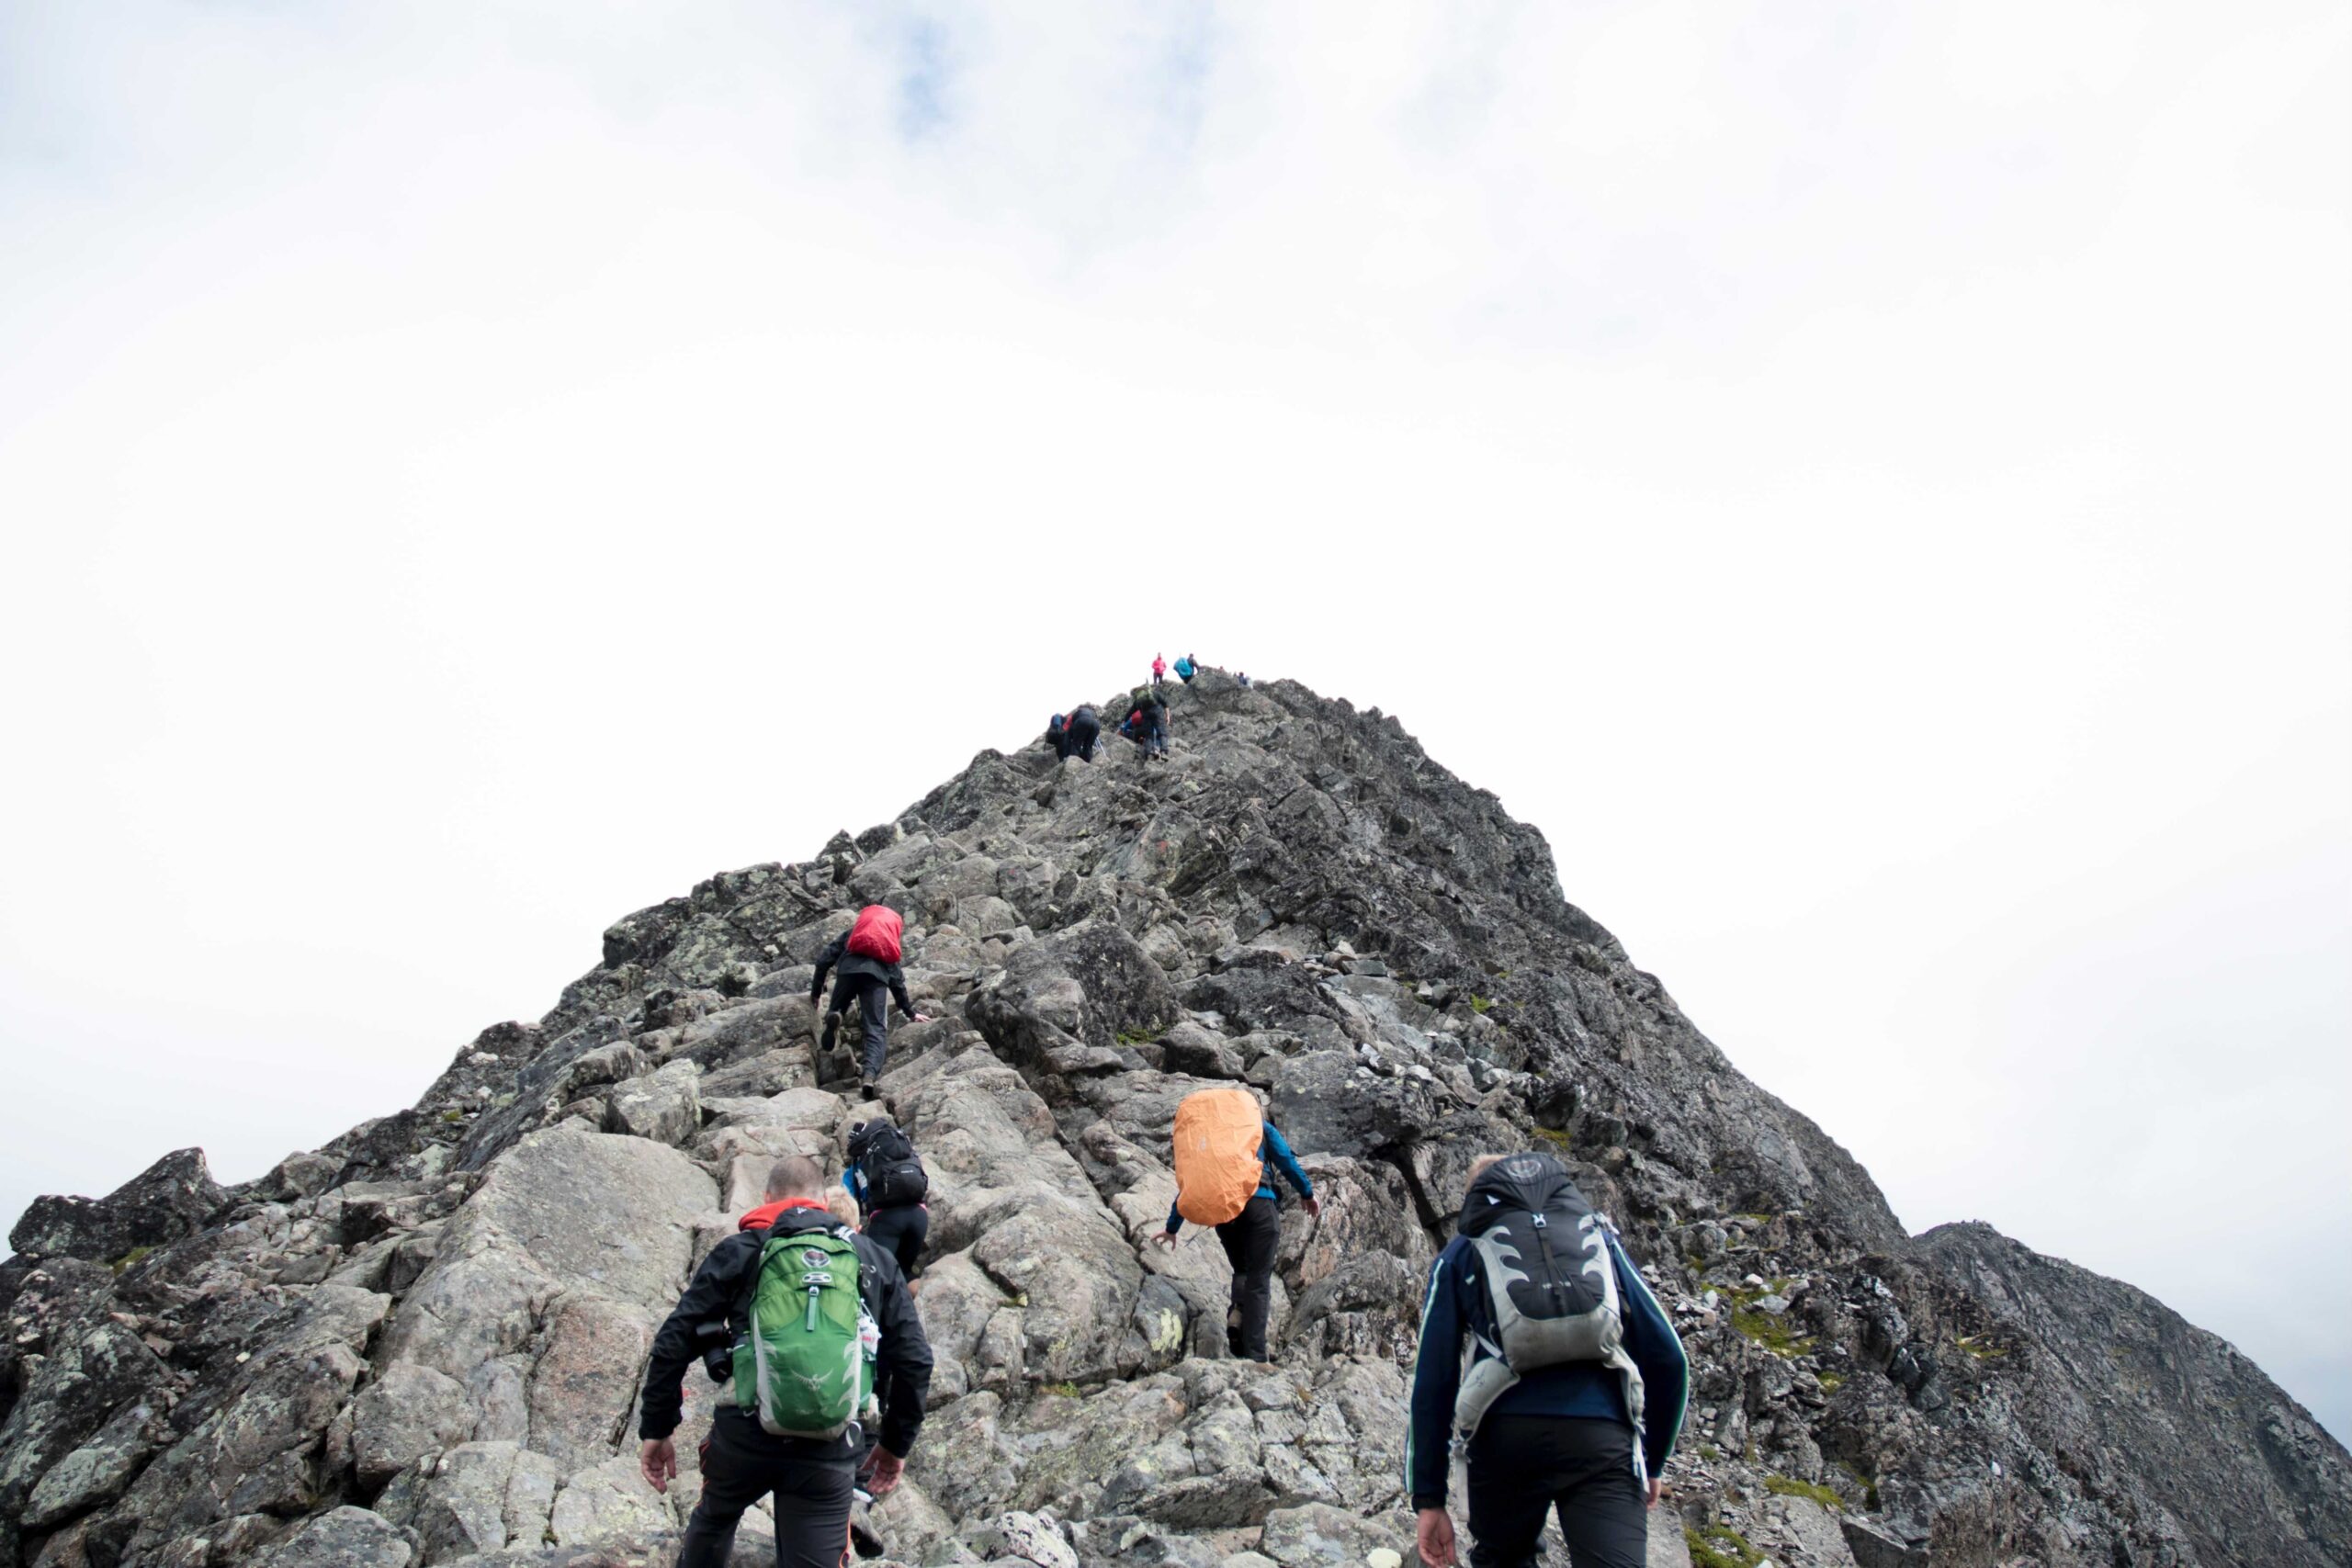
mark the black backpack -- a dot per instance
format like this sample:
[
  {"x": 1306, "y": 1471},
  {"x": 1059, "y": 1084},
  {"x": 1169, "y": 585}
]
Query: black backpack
[{"x": 886, "y": 1159}]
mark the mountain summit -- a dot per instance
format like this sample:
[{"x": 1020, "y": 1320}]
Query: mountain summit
[{"x": 421, "y": 1344}]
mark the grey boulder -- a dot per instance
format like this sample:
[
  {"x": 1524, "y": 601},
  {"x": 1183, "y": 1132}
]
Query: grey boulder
[{"x": 342, "y": 1537}]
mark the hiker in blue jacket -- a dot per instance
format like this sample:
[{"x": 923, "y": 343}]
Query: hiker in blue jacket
[
  {"x": 1250, "y": 1240},
  {"x": 1587, "y": 1435}
]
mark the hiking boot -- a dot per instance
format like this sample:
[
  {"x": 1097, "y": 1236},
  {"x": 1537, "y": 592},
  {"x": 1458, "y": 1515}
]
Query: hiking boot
[
  {"x": 832, "y": 1030},
  {"x": 865, "y": 1089}
]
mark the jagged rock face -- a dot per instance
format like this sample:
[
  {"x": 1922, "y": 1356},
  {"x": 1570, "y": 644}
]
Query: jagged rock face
[
  {"x": 167, "y": 1200},
  {"x": 422, "y": 1343}
]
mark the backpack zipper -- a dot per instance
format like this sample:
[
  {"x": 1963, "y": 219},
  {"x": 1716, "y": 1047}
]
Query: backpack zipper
[
  {"x": 818, "y": 1279},
  {"x": 1551, "y": 1264}
]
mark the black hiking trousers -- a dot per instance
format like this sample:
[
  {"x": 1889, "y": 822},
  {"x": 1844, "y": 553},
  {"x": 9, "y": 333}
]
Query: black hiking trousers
[
  {"x": 1249, "y": 1239},
  {"x": 870, "y": 994},
  {"x": 1522, "y": 1467},
  {"x": 902, "y": 1230},
  {"x": 741, "y": 1464},
  {"x": 1079, "y": 740}
]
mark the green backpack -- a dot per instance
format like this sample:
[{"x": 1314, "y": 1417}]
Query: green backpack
[{"x": 803, "y": 1368}]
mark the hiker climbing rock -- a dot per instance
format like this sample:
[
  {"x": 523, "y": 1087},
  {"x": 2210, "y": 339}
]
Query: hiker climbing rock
[
  {"x": 1185, "y": 668},
  {"x": 868, "y": 956},
  {"x": 819, "y": 1339},
  {"x": 1573, "y": 1395},
  {"x": 1227, "y": 1157},
  {"x": 1075, "y": 735},
  {"x": 887, "y": 1178},
  {"x": 1146, "y": 723}
]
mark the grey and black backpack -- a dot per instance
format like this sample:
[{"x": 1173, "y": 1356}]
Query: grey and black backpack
[{"x": 1543, "y": 1255}]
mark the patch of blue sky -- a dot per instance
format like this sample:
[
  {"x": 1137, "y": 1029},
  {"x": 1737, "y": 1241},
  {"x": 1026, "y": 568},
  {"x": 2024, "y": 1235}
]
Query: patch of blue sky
[
  {"x": 1176, "y": 81},
  {"x": 923, "y": 107}
]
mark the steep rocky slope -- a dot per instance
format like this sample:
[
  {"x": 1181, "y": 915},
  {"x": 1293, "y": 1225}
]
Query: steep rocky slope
[{"x": 420, "y": 1344}]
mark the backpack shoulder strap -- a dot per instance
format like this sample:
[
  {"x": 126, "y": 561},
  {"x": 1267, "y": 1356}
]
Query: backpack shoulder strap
[{"x": 874, "y": 1263}]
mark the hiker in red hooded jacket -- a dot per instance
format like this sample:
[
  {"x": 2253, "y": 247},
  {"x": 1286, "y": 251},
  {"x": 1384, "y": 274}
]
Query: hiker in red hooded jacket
[
  {"x": 813, "y": 1480},
  {"x": 866, "y": 957}
]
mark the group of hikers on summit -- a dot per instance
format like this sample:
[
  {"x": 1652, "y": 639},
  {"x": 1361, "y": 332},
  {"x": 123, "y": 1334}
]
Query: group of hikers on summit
[
  {"x": 1543, "y": 1364},
  {"x": 1073, "y": 734}
]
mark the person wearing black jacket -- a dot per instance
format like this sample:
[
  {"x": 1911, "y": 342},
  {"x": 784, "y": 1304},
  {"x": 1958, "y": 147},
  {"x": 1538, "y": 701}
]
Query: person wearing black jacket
[
  {"x": 1079, "y": 733},
  {"x": 868, "y": 983},
  {"x": 1588, "y": 1437},
  {"x": 1147, "y": 724},
  {"x": 814, "y": 1480}
]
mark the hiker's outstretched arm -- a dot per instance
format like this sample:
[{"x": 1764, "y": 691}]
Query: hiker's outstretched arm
[
  {"x": 906, "y": 1363},
  {"x": 1658, "y": 1351},
  {"x": 1286, "y": 1162},
  {"x": 830, "y": 955},
  {"x": 707, "y": 1300},
  {"x": 1437, "y": 1375}
]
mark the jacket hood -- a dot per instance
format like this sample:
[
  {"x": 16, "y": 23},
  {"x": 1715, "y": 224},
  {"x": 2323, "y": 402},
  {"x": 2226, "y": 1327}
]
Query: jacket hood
[{"x": 765, "y": 1216}]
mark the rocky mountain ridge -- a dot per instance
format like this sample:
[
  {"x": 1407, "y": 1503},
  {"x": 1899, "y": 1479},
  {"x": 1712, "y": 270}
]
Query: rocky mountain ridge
[{"x": 420, "y": 1344}]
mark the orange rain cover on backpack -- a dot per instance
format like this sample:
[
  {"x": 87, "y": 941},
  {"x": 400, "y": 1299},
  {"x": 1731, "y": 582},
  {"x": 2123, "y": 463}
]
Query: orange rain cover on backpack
[
  {"x": 1218, "y": 1132},
  {"x": 875, "y": 935}
]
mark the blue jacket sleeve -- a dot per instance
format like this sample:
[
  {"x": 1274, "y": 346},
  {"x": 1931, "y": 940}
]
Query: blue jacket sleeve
[
  {"x": 1656, "y": 1350},
  {"x": 1175, "y": 1220},
  {"x": 1278, "y": 1151},
  {"x": 854, "y": 1183},
  {"x": 1437, "y": 1374}
]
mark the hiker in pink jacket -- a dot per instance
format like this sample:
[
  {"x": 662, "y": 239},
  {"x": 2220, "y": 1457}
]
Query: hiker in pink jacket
[{"x": 1159, "y": 670}]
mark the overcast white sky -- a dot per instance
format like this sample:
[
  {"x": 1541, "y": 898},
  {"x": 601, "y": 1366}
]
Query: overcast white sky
[{"x": 1870, "y": 483}]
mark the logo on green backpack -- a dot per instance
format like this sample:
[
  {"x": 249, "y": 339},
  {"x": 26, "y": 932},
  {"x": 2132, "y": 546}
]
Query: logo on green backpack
[{"x": 804, "y": 1367}]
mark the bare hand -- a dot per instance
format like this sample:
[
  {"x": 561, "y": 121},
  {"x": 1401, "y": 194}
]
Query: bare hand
[
  {"x": 1657, "y": 1490},
  {"x": 1313, "y": 1206},
  {"x": 659, "y": 1460},
  {"x": 888, "y": 1468},
  {"x": 1433, "y": 1533},
  {"x": 922, "y": 1018},
  {"x": 1166, "y": 1239}
]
